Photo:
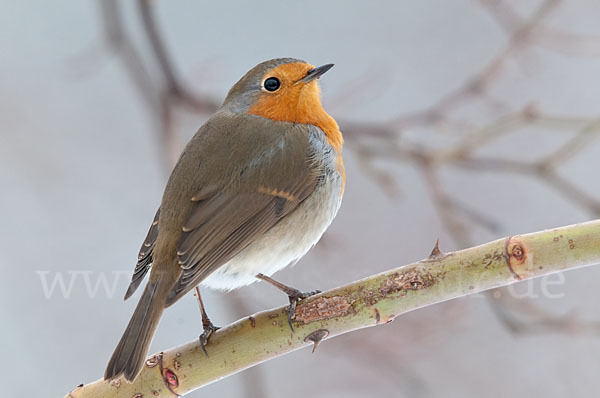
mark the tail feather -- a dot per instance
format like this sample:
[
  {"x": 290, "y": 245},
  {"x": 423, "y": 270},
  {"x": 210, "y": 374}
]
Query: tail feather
[{"x": 132, "y": 349}]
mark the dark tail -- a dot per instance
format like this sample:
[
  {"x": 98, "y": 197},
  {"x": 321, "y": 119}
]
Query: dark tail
[{"x": 131, "y": 352}]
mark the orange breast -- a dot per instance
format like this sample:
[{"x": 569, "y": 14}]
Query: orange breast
[{"x": 299, "y": 103}]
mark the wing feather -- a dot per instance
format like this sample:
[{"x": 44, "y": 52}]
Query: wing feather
[
  {"x": 144, "y": 257},
  {"x": 230, "y": 222}
]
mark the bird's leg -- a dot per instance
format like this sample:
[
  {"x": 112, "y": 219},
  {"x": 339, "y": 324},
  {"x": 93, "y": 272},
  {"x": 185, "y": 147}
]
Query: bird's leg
[
  {"x": 294, "y": 295},
  {"x": 207, "y": 325}
]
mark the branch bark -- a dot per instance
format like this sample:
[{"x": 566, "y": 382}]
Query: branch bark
[{"x": 372, "y": 301}]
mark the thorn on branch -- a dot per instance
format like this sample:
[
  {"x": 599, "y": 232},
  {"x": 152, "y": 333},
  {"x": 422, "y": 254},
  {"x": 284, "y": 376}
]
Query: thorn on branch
[
  {"x": 316, "y": 337},
  {"x": 436, "y": 252}
]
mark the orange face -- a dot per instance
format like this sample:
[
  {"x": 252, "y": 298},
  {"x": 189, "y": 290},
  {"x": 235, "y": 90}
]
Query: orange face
[
  {"x": 282, "y": 103},
  {"x": 295, "y": 101}
]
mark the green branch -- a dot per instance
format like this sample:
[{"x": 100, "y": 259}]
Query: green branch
[{"x": 372, "y": 301}]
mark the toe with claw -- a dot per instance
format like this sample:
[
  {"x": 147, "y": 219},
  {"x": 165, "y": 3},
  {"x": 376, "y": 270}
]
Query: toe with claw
[
  {"x": 208, "y": 331},
  {"x": 295, "y": 296}
]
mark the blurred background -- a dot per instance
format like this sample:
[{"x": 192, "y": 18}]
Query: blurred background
[{"x": 464, "y": 120}]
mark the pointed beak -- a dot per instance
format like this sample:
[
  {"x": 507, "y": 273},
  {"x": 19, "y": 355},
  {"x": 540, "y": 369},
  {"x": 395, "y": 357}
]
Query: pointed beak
[{"x": 315, "y": 73}]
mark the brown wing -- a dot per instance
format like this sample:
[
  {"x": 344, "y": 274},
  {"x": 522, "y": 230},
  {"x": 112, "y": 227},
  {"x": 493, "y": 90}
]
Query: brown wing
[
  {"x": 144, "y": 257},
  {"x": 223, "y": 223}
]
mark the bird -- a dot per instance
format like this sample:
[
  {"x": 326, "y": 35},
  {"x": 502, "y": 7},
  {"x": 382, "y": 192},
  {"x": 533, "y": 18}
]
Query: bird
[{"x": 252, "y": 192}]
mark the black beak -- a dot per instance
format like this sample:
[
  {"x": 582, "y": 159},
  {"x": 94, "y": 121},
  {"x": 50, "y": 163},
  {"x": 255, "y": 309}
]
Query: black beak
[{"x": 315, "y": 73}]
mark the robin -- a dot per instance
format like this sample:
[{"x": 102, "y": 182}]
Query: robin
[{"x": 252, "y": 192}]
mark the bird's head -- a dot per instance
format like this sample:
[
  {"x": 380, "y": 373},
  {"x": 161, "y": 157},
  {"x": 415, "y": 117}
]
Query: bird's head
[{"x": 282, "y": 89}]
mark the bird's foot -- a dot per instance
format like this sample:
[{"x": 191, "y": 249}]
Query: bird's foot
[
  {"x": 295, "y": 296},
  {"x": 209, "y": 328}
]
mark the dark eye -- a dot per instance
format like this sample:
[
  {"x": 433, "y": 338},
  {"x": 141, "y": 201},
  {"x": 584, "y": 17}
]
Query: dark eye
[{"x": 272, "y": 84}]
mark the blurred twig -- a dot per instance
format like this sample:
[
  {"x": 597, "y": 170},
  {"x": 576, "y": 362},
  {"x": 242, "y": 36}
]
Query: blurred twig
[
  {"x": 173, "y": 92},
  {"x": 478, "y": 84},
  {"x": 553, "y": 39},
  {"x": 119, "y": 43},
  {"x": 161, "y": 94}
]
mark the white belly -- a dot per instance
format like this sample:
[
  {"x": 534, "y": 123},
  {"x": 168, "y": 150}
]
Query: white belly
[{"x": 286, "y": 242}]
